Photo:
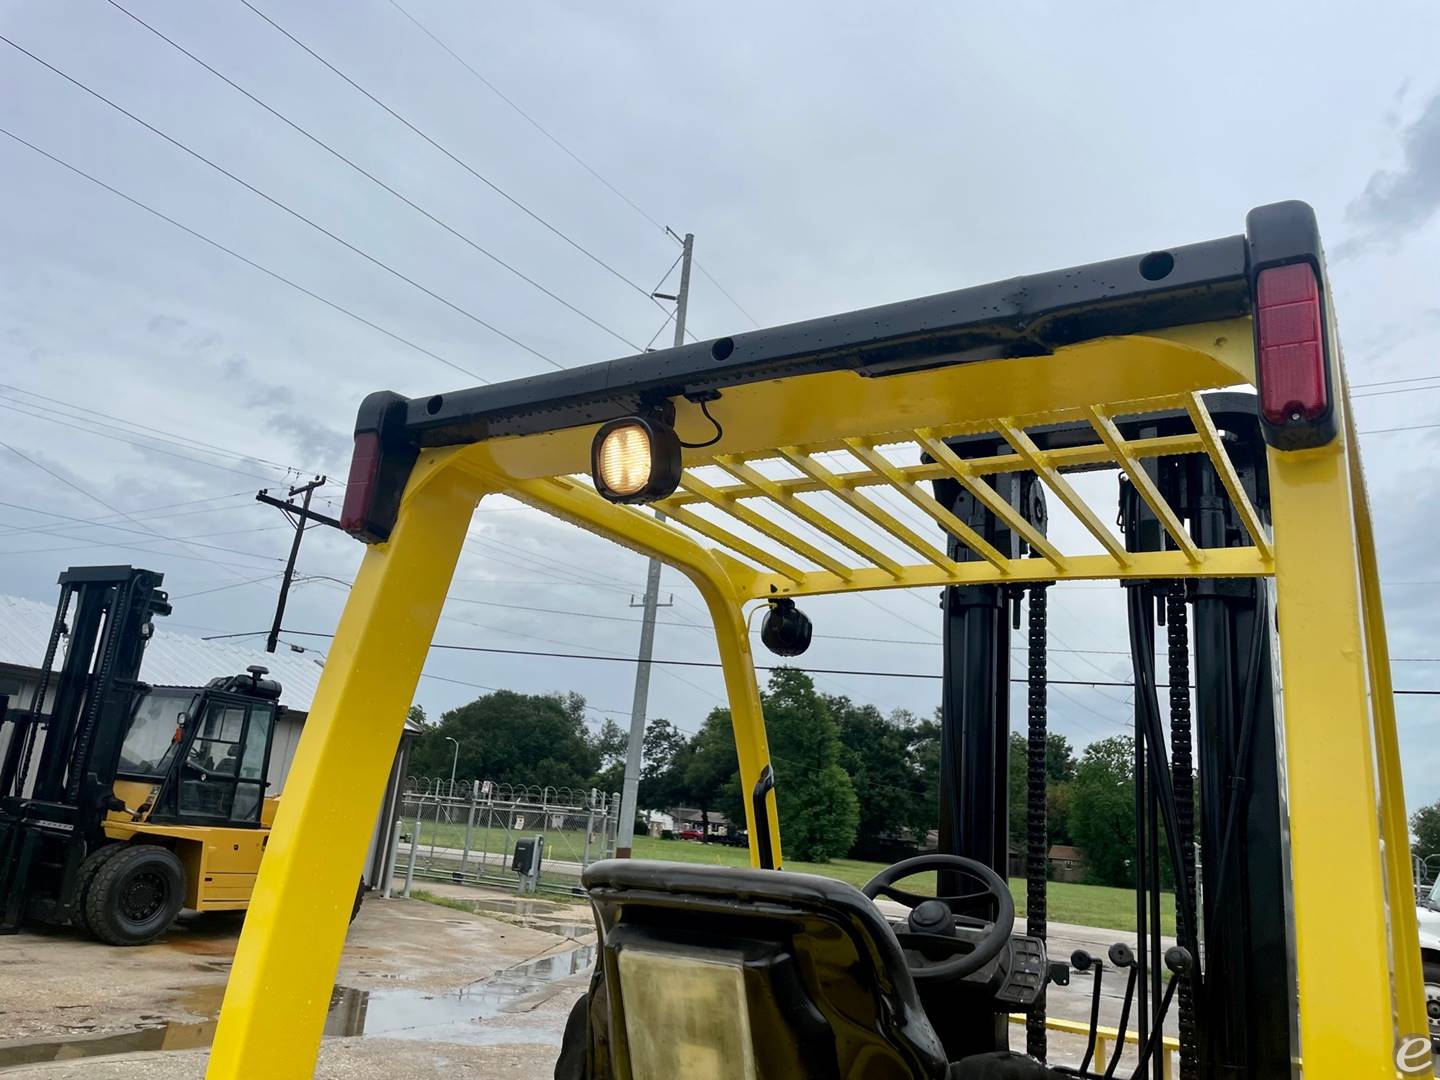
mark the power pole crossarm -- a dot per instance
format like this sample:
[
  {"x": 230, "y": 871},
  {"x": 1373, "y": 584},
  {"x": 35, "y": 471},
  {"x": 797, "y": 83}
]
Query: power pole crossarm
[
  {"x": 301, "y": 514},
  {"x": 630, "y": 790}
]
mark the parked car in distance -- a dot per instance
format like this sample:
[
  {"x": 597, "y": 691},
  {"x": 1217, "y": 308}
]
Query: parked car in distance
[{"x": 690, "y": 834}]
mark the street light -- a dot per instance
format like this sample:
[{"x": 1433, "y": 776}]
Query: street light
[{"x": 454, "y": 762}]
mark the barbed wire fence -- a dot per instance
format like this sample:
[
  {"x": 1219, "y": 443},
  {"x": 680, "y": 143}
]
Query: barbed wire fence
[{"x": 464, "y": 832}]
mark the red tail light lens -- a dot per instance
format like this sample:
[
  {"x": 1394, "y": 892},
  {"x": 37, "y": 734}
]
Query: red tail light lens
[
  {"x": 1291, "y": 344},
  {"x": 359, "y": 492}
]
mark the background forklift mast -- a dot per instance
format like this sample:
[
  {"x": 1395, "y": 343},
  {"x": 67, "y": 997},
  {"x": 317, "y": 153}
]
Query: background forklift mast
[{"x": 113, "y": 800}]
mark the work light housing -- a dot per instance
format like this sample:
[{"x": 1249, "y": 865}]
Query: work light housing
[{"x": 636, "y": 459}]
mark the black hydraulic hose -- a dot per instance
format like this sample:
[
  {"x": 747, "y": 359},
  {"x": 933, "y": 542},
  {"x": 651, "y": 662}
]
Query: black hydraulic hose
[
  {"x": 1182, "y": 766},
  {"x": 1124, "y": 1022},
  {"x": 1240, "y": 781},
  {"x": 1099, "y": 970},
  {"x": 1036, "y": 832},
  {"x": 1158, "y": 1033},
  {"x": 1149, "y": 707}
]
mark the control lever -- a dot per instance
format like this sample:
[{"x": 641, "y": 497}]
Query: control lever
[
  {"x": 1180, "y": 963},
  {"x": 1081, "y": 960},
  {"x": 1122, "y": 956}
]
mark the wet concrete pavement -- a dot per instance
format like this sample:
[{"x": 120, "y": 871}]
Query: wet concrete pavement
[{"x": 423, "y": 991}]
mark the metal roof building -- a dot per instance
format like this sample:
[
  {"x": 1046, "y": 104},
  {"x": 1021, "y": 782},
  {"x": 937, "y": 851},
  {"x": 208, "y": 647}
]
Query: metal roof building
[{"x": 171, "y": 659}]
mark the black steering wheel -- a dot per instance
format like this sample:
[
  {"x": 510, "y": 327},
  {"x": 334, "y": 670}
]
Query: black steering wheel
[{"x": 931, "y": 922}]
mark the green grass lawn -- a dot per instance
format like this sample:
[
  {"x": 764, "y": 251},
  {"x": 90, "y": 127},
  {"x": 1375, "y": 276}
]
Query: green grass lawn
[{"x": 1084, "y": 905}]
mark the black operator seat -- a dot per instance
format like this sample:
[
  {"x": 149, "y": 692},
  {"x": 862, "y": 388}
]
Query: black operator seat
[{"x": 705, "y": 970}]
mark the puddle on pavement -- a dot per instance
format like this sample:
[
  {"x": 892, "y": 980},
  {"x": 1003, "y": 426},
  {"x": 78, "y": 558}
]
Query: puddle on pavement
[
  {"x": 396, "y": 1014},
  {"x": 401, "y": 1014}
]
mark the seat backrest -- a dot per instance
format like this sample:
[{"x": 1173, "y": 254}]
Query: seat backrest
[{"x": 716, "y": 972}]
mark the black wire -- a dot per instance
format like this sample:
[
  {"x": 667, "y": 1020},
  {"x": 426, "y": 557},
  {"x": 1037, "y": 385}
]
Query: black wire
[
  {"x": 75, "y": 423},
  {"x": 528, "y": 118},
  {"x": 697, "y": 663},
  {"x": 236, "y": 255},
  {"x": 373, "y": 178},
  {"x": 464, "y": 165},
  {"x": 149, "y": 429},
  {"x": 719, "y": 431},
  {"x": 755, "y": 322},
  {"x": 282, "y": 206}
]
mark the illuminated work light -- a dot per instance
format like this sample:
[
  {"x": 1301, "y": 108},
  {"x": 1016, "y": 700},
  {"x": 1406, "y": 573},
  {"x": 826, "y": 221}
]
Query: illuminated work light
[{"x": 636, "y": 460}]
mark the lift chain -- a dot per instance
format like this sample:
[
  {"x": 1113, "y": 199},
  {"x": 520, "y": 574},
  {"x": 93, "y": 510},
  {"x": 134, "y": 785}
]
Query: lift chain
[
  {"x": 1036, "y": 839},
  {"x": 1182, "y": 770}
]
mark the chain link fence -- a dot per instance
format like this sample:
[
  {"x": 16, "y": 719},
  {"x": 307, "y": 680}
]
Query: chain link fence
[{"x": 464, "y": 832}]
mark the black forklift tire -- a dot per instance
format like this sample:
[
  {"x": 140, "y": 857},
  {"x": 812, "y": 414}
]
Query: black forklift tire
[
  {"x": 135, "y": 895},
  {"x": 88, "y": 869}
]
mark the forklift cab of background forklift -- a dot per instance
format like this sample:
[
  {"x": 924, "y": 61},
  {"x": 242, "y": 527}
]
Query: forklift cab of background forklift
[{"x": 809, "y": 440}]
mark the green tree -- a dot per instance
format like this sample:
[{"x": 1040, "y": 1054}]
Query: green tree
[
  {"x": 662, "y": 769},
  {"x": 818, "y": 810},
  {"x": 712, "y": 770},
  {"x": 612, "y": 744},
  {"x": 512, "y": 738},
  {"x": 1059, "y": 772},
  {"x": 877, "y": 753},
  {"x": 1425, "y": 824},
  {"x": 925, "y": 750},
  {"x": 1102, "y": 809}
]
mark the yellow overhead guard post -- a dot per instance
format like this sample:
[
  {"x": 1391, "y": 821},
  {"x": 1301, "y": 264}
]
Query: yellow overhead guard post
[{"x": 830, "y": 434}]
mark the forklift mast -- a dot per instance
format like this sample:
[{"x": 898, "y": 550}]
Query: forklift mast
[
  {"x": 57, "y": 802},
  {"x": 106, "y": 614}
]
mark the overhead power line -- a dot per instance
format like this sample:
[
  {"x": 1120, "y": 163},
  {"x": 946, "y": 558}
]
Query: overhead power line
[
  {"x": 289, "y": 210},
  {"x": 91, "y": 542},
  {"x": 1402, "y": 427},
  {"x": 375, "y": 179},
  {"x": 726, "y": 293},
  {"x": 148, "y": 511},
  {"x": 453, "y": 157},
  {"x": 97, "y": 499},
  {"x": 1393, "y": 382},
  {"x": 526, "y": 116},
  {"x": 147, "y": 429},
  {"x": 106, "y": 431},
  {"x": 241, "y": 258},
  {"x": 758, "y": 667}
]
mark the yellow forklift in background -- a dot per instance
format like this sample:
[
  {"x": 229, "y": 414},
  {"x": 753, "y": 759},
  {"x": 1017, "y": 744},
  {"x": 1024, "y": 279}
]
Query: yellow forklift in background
[
  {"x": 936, "y": 443},
  {"x": 122, "y": 803}
]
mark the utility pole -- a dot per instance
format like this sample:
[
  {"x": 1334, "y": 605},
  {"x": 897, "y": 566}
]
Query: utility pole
[
  {"x": 298, "y": 516},
  {"x": 629, "y": 792}
]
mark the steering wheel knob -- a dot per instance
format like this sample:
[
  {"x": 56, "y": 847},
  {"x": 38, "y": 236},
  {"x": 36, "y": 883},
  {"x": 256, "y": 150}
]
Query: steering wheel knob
[{"x": 932, "y": 917}]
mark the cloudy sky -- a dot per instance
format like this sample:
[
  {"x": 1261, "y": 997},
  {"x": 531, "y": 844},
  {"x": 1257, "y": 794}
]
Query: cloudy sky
[{"x": 827, "y": 157}]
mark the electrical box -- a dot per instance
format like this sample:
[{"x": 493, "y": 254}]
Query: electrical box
[{"x": 526, "y": 861}]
